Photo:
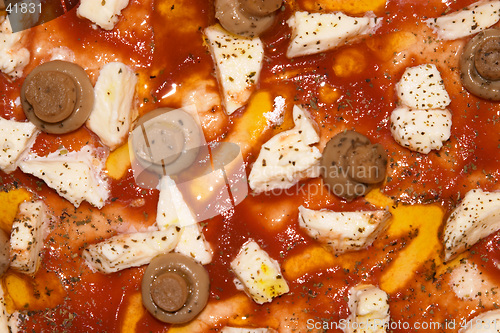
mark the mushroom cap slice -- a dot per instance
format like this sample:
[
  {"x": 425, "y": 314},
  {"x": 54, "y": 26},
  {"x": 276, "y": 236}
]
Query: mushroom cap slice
[
  {"x": 82, "y": 106},
  {"x": 166, "y": 141},
  {"x": 334, "y": 169},
  {"x": 260, "y": 7},
  {"x": 237, "y": 21},
  {"x": 478, "y": 80},
  {"x": 351, "y": 164},
  {"x": 197, "y": 281}
]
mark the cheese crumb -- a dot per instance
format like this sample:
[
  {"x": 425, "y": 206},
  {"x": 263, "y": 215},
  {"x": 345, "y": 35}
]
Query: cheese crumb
[
  {"x": 26, "y": 239},
  {"x": 467, "y": 21},
  {"x": 13, "y": 55},
  {"x": 258, "y": 274},
  {"x": 104, "y": 13}
]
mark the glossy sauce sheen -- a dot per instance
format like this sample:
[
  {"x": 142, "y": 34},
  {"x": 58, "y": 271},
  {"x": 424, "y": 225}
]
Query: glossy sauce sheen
[{"x": 169, "y": 57}]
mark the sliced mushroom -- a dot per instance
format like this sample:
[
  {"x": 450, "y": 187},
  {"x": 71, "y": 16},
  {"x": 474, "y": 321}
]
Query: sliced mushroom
[
  {"x": 480, "y": 65},
  {"x": 57, "y": 97},
  {"x": 175, "y": 288},
  {"x": 366, "y": 163},
  {"x": 166, "y": 141},
  {"x": 260, "y": 7},
  {"x": 245, "y": 18},
  {"x": 350, "y": 164}
]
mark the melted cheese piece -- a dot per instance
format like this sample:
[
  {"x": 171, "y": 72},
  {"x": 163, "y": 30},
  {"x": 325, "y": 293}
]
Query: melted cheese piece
[
  {"x": 468, "y": 282},
  {"x": 420, "y": 130},
  {"x": 467, "y": 21},
  {"x": 130, "y": 250},
  {"x": 14, "y": 322},
  {"x": 76, "y": 175},
  {"x": 111, "y": 117},
  {"x": 174, "y": 211},
  {"x": 369, "y": 309},
  {"x": 13, "y": 55},
  {"x": 104, "y": 13},
  {"x": 421, "y": 87},
  {"x": 344, "y": 231},
  {"x": 26, "y": 239},
  {"x": 317, "y": 32},
  {"x": 477, "y": 216},
  {"x": 15, "y": 138},
  {"x": 192, "y": 243},
  {"x": 258, "y": 274},
  {"x": 172, "y": 208},
  {"x": 238, "y": 62},
  {"x": 287, "y": 157}
]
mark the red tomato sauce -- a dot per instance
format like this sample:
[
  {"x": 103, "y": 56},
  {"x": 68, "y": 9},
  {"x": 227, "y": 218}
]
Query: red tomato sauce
[{"x": 96, "y": 302}]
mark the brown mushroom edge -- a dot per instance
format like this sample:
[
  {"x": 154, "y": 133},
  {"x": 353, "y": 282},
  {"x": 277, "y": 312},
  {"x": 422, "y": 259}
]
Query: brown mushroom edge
[
  {"x": 480, "y": 65},
  {"x": 247, "y": 18},
  {"x": 351, "y": 165},
  {"x": 57, "y": 97},
  {"x": 171, "y": 303},
  {"x": 175, "y": 126}
]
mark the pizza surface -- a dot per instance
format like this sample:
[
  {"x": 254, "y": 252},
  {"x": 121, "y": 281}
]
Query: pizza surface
[{"x": 326, "y": 67}]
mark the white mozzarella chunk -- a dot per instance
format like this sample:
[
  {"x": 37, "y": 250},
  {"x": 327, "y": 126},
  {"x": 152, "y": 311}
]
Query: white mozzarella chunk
[
  {"x": 258, "y": 274},
  {"x": 62, "y": 53},
  {"x": 13, "y": 55},
  {"x": 369, "y": 309},
  {"x": 130, "y": 250},
  {"x": 287, "y": 157},
  {"x": 468, "y": 282},
  {"x": 172, "y": 209},
  {"x": 477, "y": 216},
  {"x": 467, "y": 21},
  {"x": 15, "y": 322},
  {"x": 238, "y": 62},
  {"x": 192, "y": 243},
  {"x": 228, "y": 329},
  {"x": 420, "y": 130},
  {"x": 344, "y": 231},
  {"x": 487, "y": 322},
  {"x": 104, "y": 13},
  {"x": 318, "y": 32},
  {"x": 76, "y": 176},
  {"x": 111, "y": 117},
  {"x": 421, "y": 87},
  {"x": 15, "y": 138},
  {"x": 29, "y": 229}
]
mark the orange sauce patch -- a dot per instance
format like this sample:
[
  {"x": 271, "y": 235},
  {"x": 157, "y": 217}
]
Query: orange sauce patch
[
  {"x": 386, "y": 46},
  {"x": 23, "y": 292},
  {"x": 350, "y": 61},
  {"x": 118, "y": 162},
  {"x": 9, "y": 204}
]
